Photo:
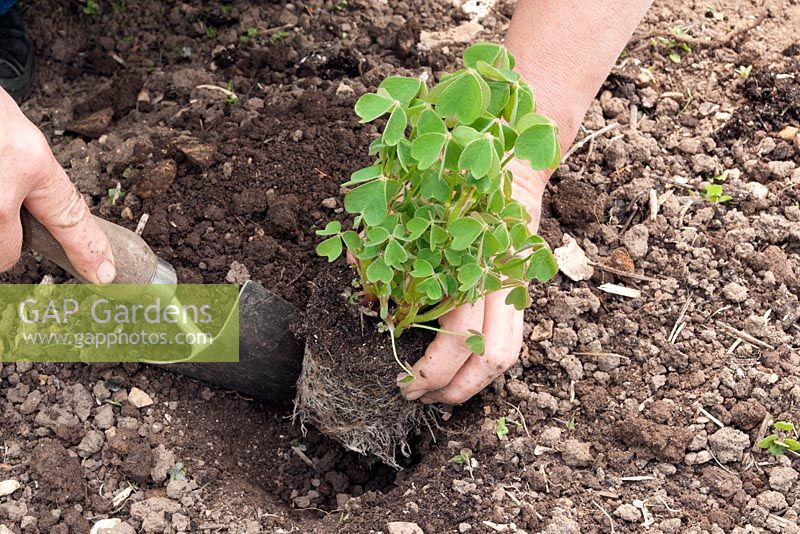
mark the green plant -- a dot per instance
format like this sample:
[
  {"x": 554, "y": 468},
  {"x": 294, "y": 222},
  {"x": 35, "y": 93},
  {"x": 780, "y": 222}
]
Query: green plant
[
  {"x": 341, "y": 5},
  {"x": 250, "y": 34},
  {"x": 91, "y": 8},
  {"x": 231, "y": 99},
  {"x": 211, "y": 32},
  {"x": 715, "y": 193},
  {"x": 225, "y": 9},
  {"x": 501, "y": 428},
  {"x": 779, "y": 442},
  {"x": 744, "y": 71},
  {"x": 279, "y": 36},
  {"x": 435, "y": 224},
  {"x": 673, "y": 45}
]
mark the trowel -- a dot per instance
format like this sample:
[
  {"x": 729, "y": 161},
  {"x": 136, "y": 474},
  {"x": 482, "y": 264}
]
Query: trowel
[{"x": 270, "y": 358}]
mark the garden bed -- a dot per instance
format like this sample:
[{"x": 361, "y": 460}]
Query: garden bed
[{"x": 606, "y": 389}]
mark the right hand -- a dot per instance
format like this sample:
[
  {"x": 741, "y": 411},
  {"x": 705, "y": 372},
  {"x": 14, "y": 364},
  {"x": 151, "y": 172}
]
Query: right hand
[{"x": 31, "y": 176}]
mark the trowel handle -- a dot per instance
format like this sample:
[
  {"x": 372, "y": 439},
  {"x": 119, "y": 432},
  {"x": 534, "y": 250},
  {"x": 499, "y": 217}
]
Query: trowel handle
[{"x": 136, "y": 263}]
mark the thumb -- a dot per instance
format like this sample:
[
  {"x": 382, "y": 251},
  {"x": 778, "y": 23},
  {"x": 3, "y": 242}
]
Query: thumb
[{"x": 58, "y": 205}]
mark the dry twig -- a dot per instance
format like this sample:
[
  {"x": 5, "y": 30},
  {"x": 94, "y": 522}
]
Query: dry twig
[{"x": 701, "y": 42}]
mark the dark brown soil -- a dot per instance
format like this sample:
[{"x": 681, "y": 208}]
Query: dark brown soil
[{"x": 348, "y": 387}]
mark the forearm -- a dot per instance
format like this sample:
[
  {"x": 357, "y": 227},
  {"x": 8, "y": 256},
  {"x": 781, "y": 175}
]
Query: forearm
[{"x": 565, "y": 50}]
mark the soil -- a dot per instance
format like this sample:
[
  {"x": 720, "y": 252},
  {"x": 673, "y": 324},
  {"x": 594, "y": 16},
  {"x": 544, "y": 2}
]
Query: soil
[
  {"x": 347, "y": 389},
  {"x": 615, "y": 402}
]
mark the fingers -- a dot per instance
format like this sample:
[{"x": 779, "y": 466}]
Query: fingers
[
  {"x": 447, "y": 353},
  {"x": 56, "y": 203},
  {"x": 10, "y": 230},
  {"x": 503, "y": 337}
]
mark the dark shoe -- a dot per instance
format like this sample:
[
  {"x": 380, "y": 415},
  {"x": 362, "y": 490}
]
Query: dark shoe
[{"x": 16, "y": 56}]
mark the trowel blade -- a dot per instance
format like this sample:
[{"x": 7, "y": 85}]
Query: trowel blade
[{"x": 270, "y": 358}]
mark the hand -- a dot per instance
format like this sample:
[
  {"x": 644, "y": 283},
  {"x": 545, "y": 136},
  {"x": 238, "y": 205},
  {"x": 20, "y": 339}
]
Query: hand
[
  {"x": 31, "y": 176},
  {"x": 449, "y": 372}
]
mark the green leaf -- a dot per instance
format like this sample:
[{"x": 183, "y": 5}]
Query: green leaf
[
  {"x": 378, "y": 271},
  {"x": 488, "y": 71},
  {"x": 543, "y": 265},
  {"x": 396, "y": 127},
  {"x": 488, "y": 52},
  {"x": 767, "y": 442},
  {"x": 464, "y": 135},
  {"x": 501, "y": 429},
  {"x": 364, "y": 175},
  {"x": 402, "y": 88},
  {"x": 371, "y": 106},
  {"x": 416, "y": 227},
  {"x": 500, "y": 93},
  {"x": 463, "y": 99},
  {"x": 377, "y": 235},
  {"x": 477, "y": 157},
  {"x": 430, "y": 122},
  {"x": 427, "y": 148},
  {"x": 793, "y": 444},
  {"x": 332, "y": 228},
  {"x": 395, "y": 255},
  {"x": 434, "y": 257},
  {"x": 436, "y": 236},
  {"x": 371, "y": 200},
  {"x": 532, "y": 119},
  {"x": 786, "y": 426},
  {"x": 352, "y": 240},
  {"x": 404, "y": 154},
  {"x": 432, "y": 289},
  {"x": 434, "y": 187},
  {"x": 539, "y": 146},
  {"x": 469, "y": 275},
  {"x": 519, "y": 298},
  {"x": 330, "y": 248},
  {"x": 464, "y": 232},
  {"x": 422, "y": 269},
  {"x": 476, "y": 344}
]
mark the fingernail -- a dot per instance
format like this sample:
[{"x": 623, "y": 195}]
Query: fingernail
[{"x": 106, "y": 272}]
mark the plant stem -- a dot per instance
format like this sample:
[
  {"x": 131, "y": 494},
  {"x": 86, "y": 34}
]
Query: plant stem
[
  {"x": 442, "y": 330},
  {"x": 405, "y": 367}
]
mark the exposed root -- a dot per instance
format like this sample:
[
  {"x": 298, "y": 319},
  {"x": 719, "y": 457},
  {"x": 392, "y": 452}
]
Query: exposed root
[{"x": 368, "y": 418}]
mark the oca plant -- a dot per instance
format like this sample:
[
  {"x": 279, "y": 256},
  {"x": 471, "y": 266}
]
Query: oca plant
[{"x": 435, "y": 223}]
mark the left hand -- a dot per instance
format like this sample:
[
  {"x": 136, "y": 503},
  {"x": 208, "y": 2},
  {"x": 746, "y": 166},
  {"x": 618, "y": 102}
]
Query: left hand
[{"x": 449, "y": 372}]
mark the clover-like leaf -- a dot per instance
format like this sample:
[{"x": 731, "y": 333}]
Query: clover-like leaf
[
  {"x": 330, "y": 248},
  {"x": 422, "y": 269},
  {"x": 792, "y": 444},
  {"x": 372, "y": 200},
  {"x": 364, "y": 175},
  {"x": 378, "y": 271},
  {"x": 416, "y": 227},
  {"x": 476, "y": 344},
  {"x": 430, "y": 122},
  {"x": 395, "y": 255},
  {"x": 352, "y": 241},
  {"x": 332, "y": 228},
  {"x": 786, "y": 426},
  {"x": 432, "y": 289},
  {"x": 463, "y": 98},
  {"x": 487, "y": 52},
  {"x": 371, "y": 106},
  {"x": 477, "y": 157},
  {"x": 436, "y": 236},
  {"x": 464, "y": 232},
  {"x": 396, "y": 127},
  {"x": 401, "y": 88},
  {"x": 469, "y": 275},
  {"x": 539, "y": 146},
  {"x": 377, "y": 235},
  {"x": 542, "y": 266},
  {"x": 519, "y": 298},
  {"x": 427, "y": 148}
]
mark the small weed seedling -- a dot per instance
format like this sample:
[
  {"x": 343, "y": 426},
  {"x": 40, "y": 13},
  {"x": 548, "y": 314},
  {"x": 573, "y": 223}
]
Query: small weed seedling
[
  {"x": 675, "y": 48},
  {"x": 435, "y": 223},
  {"x": 744, "y": 71},
  {"x": 249, "y": 35},
  {"x": 501, "y": 428},
  {"x": 91, "y": 8},
  {"x": 715, "y": 194},
  {"x": 783, "y": 438}
]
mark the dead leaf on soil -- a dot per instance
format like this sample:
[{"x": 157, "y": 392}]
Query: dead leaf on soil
[{"x": 93, "y": 125}]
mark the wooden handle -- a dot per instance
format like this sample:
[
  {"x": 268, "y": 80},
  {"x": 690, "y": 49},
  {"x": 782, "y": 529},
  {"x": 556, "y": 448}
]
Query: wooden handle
[{"x": 136, "y": 263}]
